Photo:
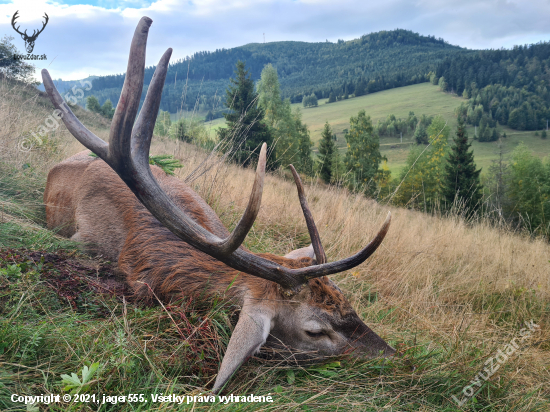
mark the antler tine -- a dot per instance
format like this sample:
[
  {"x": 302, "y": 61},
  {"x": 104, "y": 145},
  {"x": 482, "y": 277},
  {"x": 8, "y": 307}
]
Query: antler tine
[
  {"x": 291, "y": 279},
  {"x": 304, "y": 274},
  {"x": 238, "y": 235},
  {"x": 77, "y": 129},
  {"x": 126, "y": 110},
  {"x": 320, "y": 256},
  {"x": 143, "y": 129}
]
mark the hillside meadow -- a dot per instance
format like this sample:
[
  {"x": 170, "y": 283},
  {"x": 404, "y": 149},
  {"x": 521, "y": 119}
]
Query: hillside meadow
[
  {"x": 447, "y": 293},
  {"x": 423, "y": 98}
]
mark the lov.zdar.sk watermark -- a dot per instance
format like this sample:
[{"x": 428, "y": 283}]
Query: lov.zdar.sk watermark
[
  {"x": 29, "y": 39},
  {"x": 494, "y": 363}
]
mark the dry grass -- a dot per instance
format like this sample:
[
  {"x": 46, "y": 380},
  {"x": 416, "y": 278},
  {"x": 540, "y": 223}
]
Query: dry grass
[
  {"x": 455, "y": 285},
  {"x": 436, "y": 283}
]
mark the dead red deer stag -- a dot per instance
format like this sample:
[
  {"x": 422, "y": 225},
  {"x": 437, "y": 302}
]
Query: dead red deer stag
[{"x": 166, "y": 239}]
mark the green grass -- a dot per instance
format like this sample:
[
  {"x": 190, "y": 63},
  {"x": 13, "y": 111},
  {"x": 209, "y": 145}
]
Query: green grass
[
  {"x": 422, "y": 98},
  {"x": 55, "y": 320}
]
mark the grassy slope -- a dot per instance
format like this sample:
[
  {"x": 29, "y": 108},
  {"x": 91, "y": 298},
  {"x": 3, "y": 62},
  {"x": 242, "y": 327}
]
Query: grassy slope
[
  {"x": 447, "y": 294},
  {"x": 421, "y": 98}
]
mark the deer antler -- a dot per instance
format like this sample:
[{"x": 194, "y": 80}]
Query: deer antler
[
  {"x": 34, "y": 35},
  {"x": 15, "y": 16},
  {"x": 128, "y": 155}
]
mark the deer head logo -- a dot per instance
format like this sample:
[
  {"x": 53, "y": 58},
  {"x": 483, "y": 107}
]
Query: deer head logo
[{"x": 29, "y": 40}]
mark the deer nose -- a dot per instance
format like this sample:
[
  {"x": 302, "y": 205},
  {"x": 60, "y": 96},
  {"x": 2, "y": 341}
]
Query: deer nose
[{"x": 373, "y": 345}]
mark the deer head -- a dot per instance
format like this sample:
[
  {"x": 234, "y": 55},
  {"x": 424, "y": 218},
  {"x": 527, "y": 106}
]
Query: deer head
[
  {"x": 287, "y": 301},
  {"x": 29, "y": 40}
]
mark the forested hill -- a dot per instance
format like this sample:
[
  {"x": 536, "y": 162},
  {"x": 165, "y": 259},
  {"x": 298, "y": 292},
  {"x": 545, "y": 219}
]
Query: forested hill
[
  {"x": 374, "y": 62},
  {"x": 505, "y": 86},
  {"x": 525, "y": 67}
]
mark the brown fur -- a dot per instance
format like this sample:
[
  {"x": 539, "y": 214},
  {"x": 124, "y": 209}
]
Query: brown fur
[{"x": 85, "y": 199}]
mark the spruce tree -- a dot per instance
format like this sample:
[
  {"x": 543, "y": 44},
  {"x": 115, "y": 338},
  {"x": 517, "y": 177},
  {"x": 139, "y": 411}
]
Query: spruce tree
[
  {"x": 246, "y": 130},
  {"x": 326, "y": 153},
  {"x": 461, "y": 181}
]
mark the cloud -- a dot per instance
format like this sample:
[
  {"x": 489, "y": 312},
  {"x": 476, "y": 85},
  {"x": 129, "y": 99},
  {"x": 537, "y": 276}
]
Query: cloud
[{"x": 93, "y": 36}]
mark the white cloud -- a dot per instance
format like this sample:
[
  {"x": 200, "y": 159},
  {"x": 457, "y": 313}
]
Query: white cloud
[{"x": 94, "y": 39}]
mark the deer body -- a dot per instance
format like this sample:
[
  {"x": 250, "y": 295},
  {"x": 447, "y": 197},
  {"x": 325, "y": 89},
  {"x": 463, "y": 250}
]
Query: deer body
[
  {"x": 87, "y": 201},
  {"x": 168, "y": 241}
]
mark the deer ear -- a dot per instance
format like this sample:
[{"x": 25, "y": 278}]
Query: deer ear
[
  {"x": 249, "y": 335},
  {"x": 301, "y": 253}
]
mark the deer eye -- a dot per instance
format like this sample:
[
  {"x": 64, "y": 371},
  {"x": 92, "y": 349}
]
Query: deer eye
[{"x": 315, "y": 334}]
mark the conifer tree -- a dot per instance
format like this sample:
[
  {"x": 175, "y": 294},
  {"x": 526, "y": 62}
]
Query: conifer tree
[
  {"x": 461, "y": 182},
  {"x": 305, "y": 164},
  {"x": 246, "y": 130},
  {"x": 292, "y": 142},
  {"x": 361, "y": 88},
  {"x": 327, "y": 149}
]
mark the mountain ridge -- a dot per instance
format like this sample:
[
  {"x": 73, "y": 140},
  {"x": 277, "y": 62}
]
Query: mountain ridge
[{"x": 386, "y": 58}]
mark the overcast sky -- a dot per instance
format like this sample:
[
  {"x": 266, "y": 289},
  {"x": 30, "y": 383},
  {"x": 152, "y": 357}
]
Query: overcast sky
[{"x": 93, "y": 36}]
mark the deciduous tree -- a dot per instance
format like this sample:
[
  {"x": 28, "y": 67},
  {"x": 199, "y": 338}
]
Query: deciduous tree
[
  {"x": 92, "y": 104},
  {"x": 107, "y": 109},
  {"x": 269, "y": 93},
  {"x": 363, "y": 157},
  {"x": 421, "y": 180}
]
